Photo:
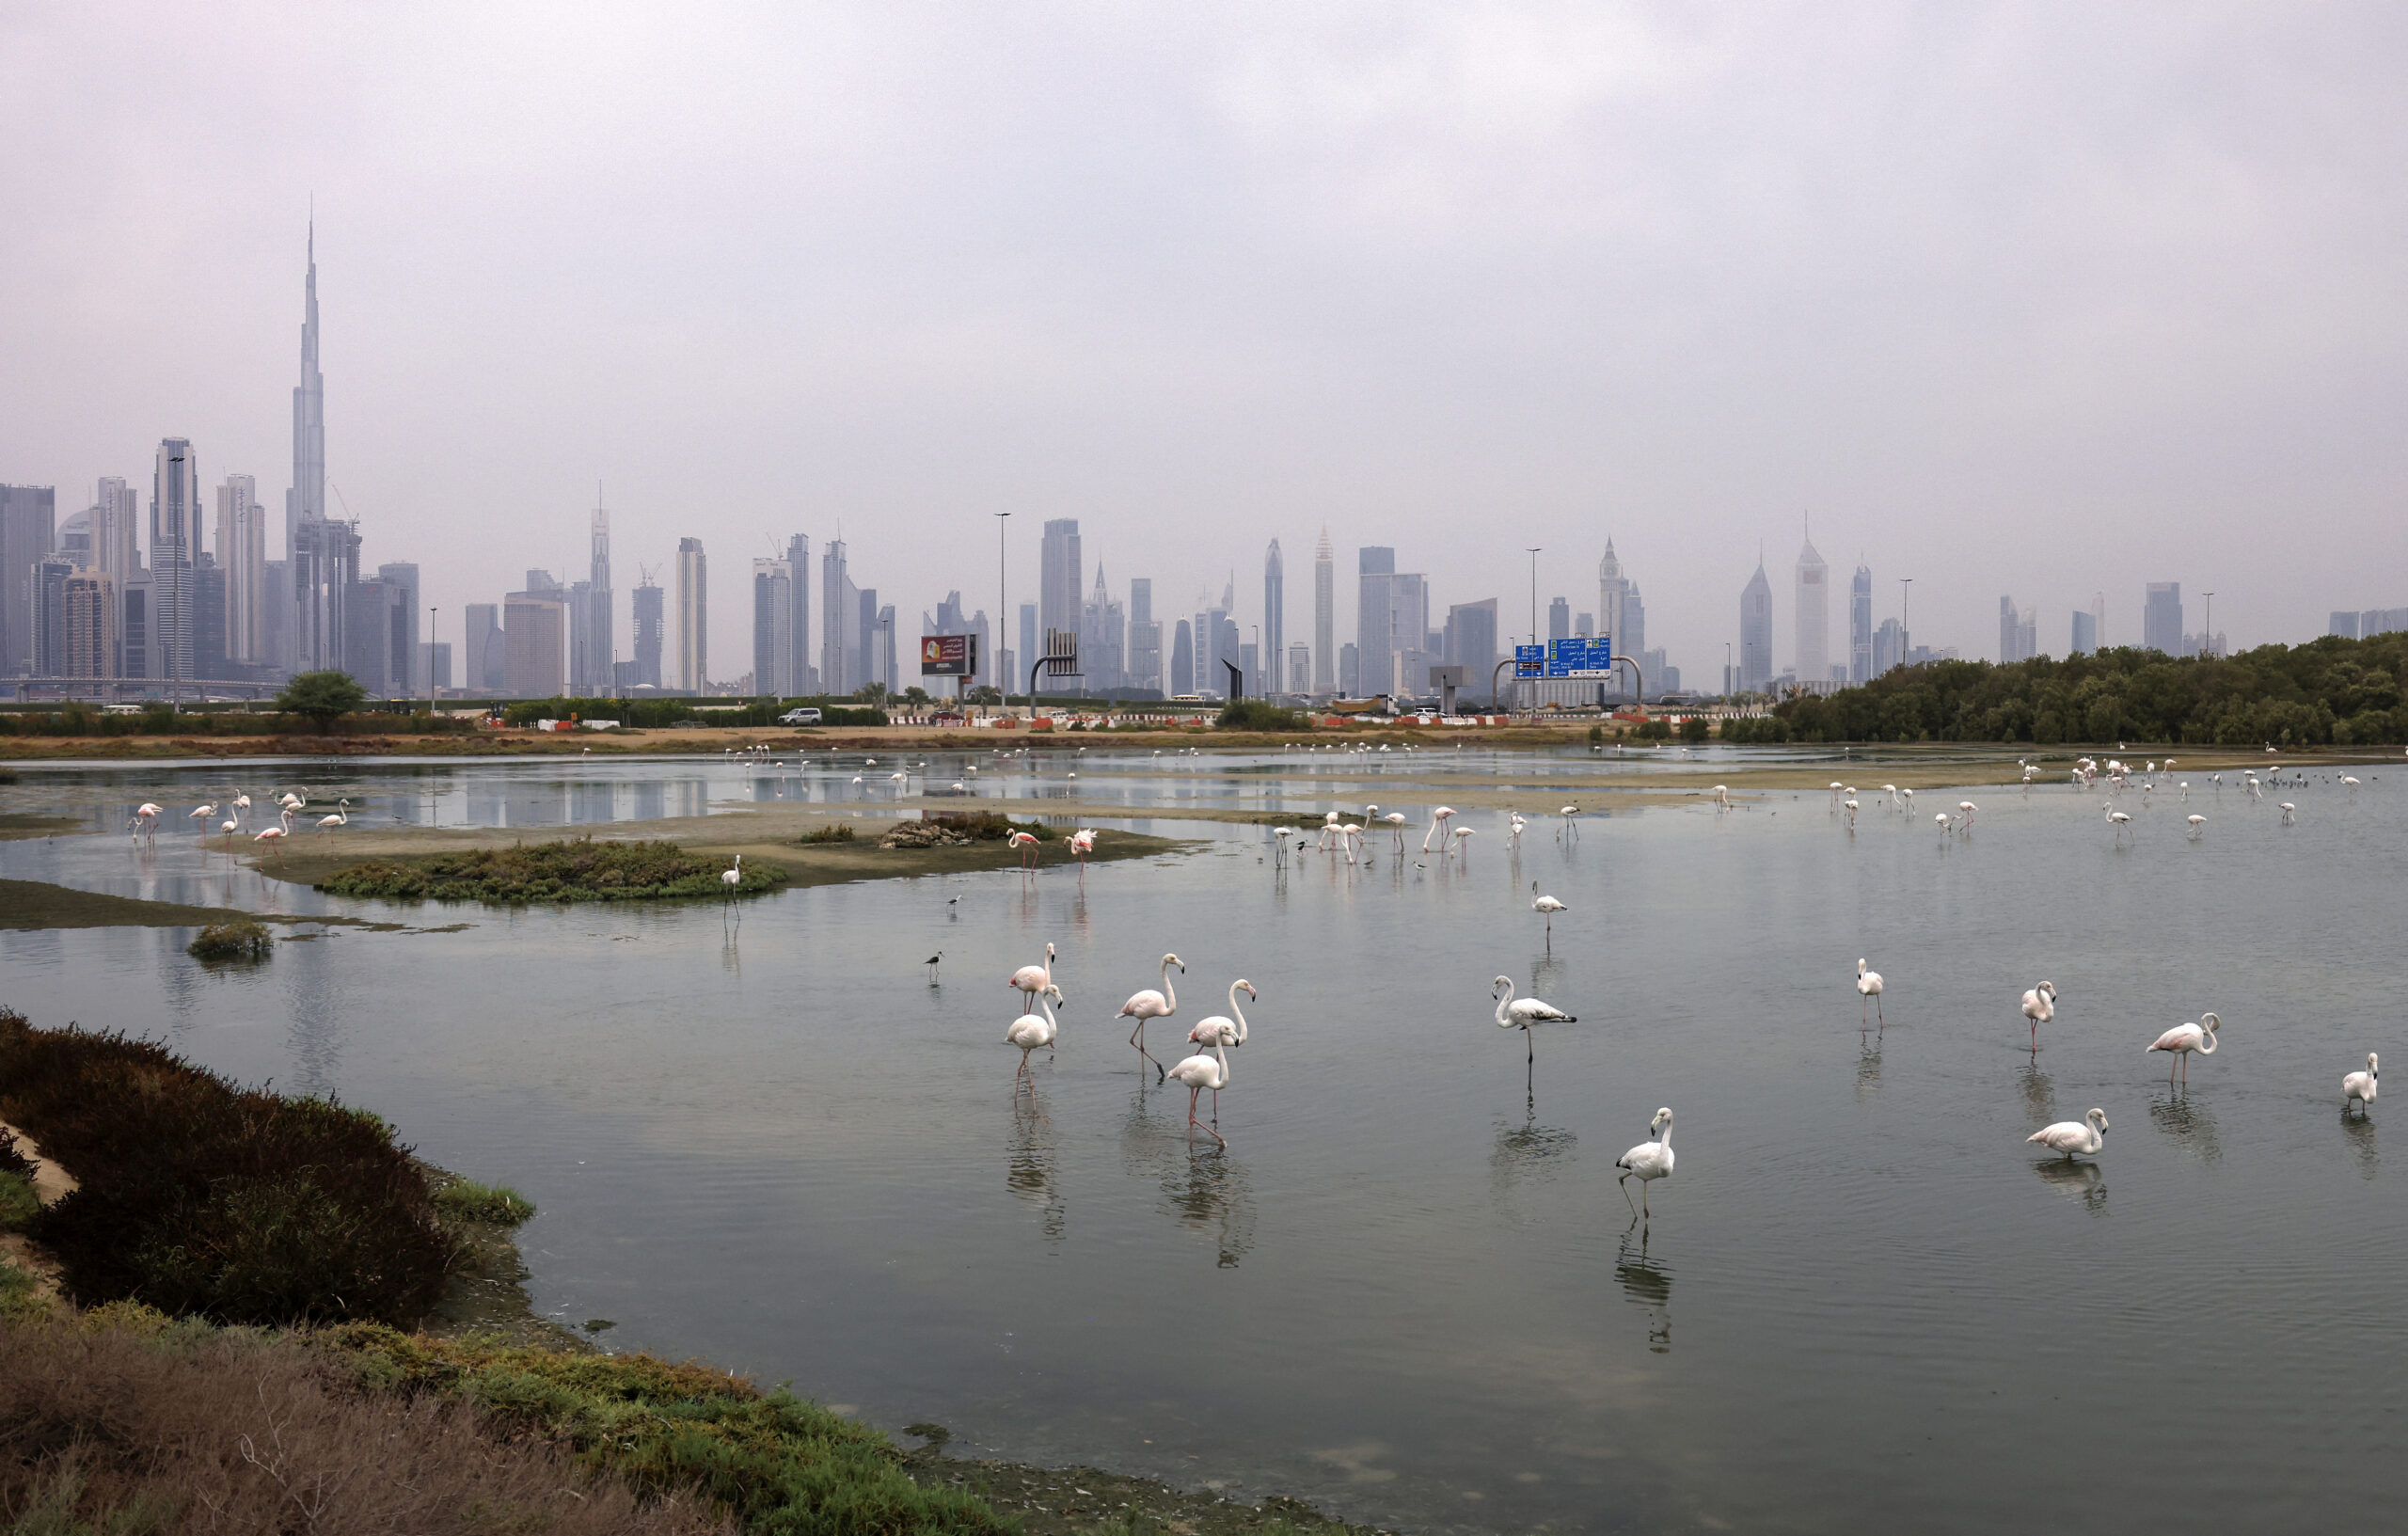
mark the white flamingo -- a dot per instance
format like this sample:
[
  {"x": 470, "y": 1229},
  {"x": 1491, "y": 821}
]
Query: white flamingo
[
  {"x": 1395, "y": 821},
  {"x": 1199, "y": 1074},
  {"x": 1571, "y": 815},
  {"x": 1850, "y": 804},
  {"x": 243, "y": 807},
  {"x": 732, "y": 877},
  {"x": 146, "y": 819},
  {"x": 1031, "y": 1032},
  {"x": 1033, "y": 979},
  {"x": 1462, "y": 840},
  {"x": 2040, "y": 1005},
  {"x": 1722, "y": 797},
  {"x": 1523, "y": 1013},
  {"x": 1219, "y": 1031},
  {"x": 2184, "y": 1038},
  {"x": 1547, "y": 906},
  {"x": 2196, "y": 823},
  {"x": 2358, "y": 1087},
  {"x": 2118, "y": 820},
  {"x": 1438, "y": 820},
  {"x": 2071, "y": 1136},
  {"x": 1647, "y": 1162},
  {"x": 1868, "y": 984},
  {"x": 2290, "y": 811},
  {"x": 198, "y": 812},
  {"x": 1150, "y": 1004},
  {"x": 341, "y": 819},
  {"x": 1969, "y": 808}
]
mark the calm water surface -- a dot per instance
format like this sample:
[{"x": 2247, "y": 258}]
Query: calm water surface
[{"x": 1410, "y": 1290}]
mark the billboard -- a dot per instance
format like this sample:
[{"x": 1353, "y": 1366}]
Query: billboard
[{"x": 948, "y": 655}]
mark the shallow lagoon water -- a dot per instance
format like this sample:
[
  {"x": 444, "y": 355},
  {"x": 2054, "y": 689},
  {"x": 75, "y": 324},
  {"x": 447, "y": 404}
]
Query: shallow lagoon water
[{"x": 1410, "y": 1290}]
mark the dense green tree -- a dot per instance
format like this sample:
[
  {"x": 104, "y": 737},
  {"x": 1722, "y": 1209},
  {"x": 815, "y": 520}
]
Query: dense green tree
[{"x": 324, "y": 697}]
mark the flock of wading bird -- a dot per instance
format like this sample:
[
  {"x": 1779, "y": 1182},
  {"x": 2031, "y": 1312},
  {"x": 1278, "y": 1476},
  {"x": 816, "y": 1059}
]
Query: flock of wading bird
[
  {"x": 1651, "y": 1160},
  {"x": 143, "y": 824}
]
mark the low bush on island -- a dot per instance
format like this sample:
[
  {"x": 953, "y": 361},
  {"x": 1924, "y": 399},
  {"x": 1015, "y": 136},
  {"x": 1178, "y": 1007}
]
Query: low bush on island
[
  {"x": 197, "y": 1196},
  {"x": 579, "y": 869},
  {"x": 499, "y": 1205},
  {"x": 237, "y": 939},
  {"x": 991, "y": 826}
]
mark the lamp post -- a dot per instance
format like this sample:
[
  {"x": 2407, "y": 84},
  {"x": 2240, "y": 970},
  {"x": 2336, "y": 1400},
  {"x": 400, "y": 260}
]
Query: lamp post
[
  {"x": 1003, "y": 604},
  {"x": 431, "y": 612}
]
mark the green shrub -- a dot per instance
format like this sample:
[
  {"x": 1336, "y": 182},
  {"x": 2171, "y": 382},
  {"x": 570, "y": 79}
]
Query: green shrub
[
  {"x": 197, "y": 1196},
  {"x": 579, "y": 869},
  {"x": 465, "y": 1200},
  {"x": 1259, "y": 715},
  {"x": 1695, "y": 728},
  {"x": 992, "y": 826},
  {"x": 841, "y": 832},
  {"x": 236, "y": 939}
]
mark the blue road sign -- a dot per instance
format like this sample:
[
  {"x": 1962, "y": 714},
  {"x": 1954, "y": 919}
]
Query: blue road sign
[
  {"x": 1583, "y": 656},
  {"x": 1529, "y": 661}
]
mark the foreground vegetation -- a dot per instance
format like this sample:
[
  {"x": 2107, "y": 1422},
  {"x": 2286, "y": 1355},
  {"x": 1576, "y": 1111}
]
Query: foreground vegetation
[
  {"x": 575, "y": 869},
  {"x": 2329, "y": 691}
]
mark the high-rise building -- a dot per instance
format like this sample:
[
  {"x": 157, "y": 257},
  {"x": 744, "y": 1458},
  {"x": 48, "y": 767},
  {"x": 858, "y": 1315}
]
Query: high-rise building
[
  {"x": 2161, "y": 618},
  {"x": 2343, "y": 623},
  {"x": 1415, "y": 646},
  {"x": 403, "y": 672},
  {"x": 46, "y": 588},
  {"x": 484, "y": 655},
  {"x": 1559, "y": 619},
  {"x": 1300, "y": 669},
  {"x": 1813, "y": 617},
  {"x": 434, "y": 664},
  {"x": 28, "y": 532},
  {"x": 242, "y": 551},
  {"x": 321, "y": 555},
  {"x": 773, "y": 628},
  {"x": 805, "y": 675},
  {"x": 534, "y": 633},
  {"x": 1584, "y": 623},
  {"x": 694, "y": 617},
  {"x": 1183, "y": 660},
  {"x": 175, "y": 550},
  {"x": 1755, "y": 633},
  {"x": 1057, "y": 594},
  {"x": 1275, "y": 615},
  {"x": 2017, "y": 632},
  {"x": 116, "y": 523},
  {"x": 135, "y": 654},
  {"x": 1632, "y": 641},
  {"x": 381, "y": 641},
  {"x": 1374, "y": 624},
  {"x": 1325, "y": 616},
  {"x": 1103, "y": 637},
  {"x": 1145, "y": 663},
  {"x": 1612, "y": 587},
  {"x": 2098, "y": 619},
  {"x": 1860, "y": 626},
  {"x": 1027, "y": 657},
  {"x": 2085, "y": 634},
  {"x": 843, "y": 663},
  {"x": 646, "y": 610},
  {"x": 1349, "y": 670},
  {"x": 91, "y": 649},
  {"x": 1889, "y": 646},
  {"x": 593, "y": 639},
  {"x": 1471, "y": 644}
]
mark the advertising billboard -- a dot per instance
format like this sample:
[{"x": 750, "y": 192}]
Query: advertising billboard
[{"x": 948, "y": 655}]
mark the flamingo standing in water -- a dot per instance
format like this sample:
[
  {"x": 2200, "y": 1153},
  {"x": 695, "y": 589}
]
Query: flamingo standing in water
[
  {"x": 1083, "y": 844},
  {"x": 146, "y": 819},
  {"x": 1199, "y": 1074},
  {"x": 273, "y": 837},
  {"x": 1438, "y": 820},
  {"x": 2358, "y": 1087},
  {"x": 1868, "y": 984},
  {"x": 229, "y": 827},
  {"x": 1647, "y": 1162},
  {"x": 199, "y": 812},
  {"x": 2071, "y": 1136},
  {"x": 729, "y": 877},
  {"x": 1030, "y": 1032},
  {"x": 2040, "y": 1005},
  {"x": 1523, "y": 1013},
  {"x": 1571, "y": 815},
  {"x": 1395, "y": 821},
  {"x": 1033, "y": 979},
  {"x": 1219, "y": 1031},
  {"x": 2184, "y": 1038},
  {"x": 1548, "y": 906},
  {"x": 242, "y": 808},
  {"x": 1025, "y": 845},
  {"x": 1153, "y": 1005}
]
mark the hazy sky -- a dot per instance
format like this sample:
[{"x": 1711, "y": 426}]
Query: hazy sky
[{"x": 2037, "y": 299}]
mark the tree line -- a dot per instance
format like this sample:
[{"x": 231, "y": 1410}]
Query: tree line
[{"x": 2329, "y": 692}]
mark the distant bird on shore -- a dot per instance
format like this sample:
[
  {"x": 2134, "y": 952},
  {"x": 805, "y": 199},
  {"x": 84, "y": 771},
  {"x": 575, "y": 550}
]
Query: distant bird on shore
[
  {"x": 1868, "y": 984},
  {"x": 2184, "y": 1038},
  {"x": 1647, "y": 1162},
  {"x": 2358, "y": 1087},
  {"x": 2071, "y": 1136},
  {"x": 732, "y": 877}
]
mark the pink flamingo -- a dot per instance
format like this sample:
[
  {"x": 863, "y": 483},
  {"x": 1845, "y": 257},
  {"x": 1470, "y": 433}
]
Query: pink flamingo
[
  {"x": 1438, "y": 824},
  {"x": 273, "y": 837},
  {"x": 1153, "y": 1005},
  {"x": 1025, "y": 842},
  {"x": 1199, "y": 1074},
  {"x": 1029, "y": 1031},
  {"x": 1033, "y": 979},
  {"x": 1083, "y": 844},
  {"x": 146, "y": 819}
]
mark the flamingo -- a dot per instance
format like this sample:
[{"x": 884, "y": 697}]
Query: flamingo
[
  {"x": 1029, "y": 1031},
  {"x": 1328, "y": 831},
  {"x": 1522, "y": 1013},
  {"x": 1907, "y": 796},
  {"x": 2184, "y": 1038},
  {"x": 2071, "y": 1136},
  {"x": 1219, "y": 1031},
  {"x": 2349, "y": 780},
  {"x": 733, "y": 875},
  {"x": 1571, "y": 815},
  {"x": 1025, "y": 842},
  {"x": 1850, "y": 804},
  {"x": 1647, "y": 1162},
  {"x": 273, "y": 837},
  {"x": 1438, "y": 820},
  {"x": 1153, "y": 1005},
  {"x": 1547, "y": 905},
  {"x": 1868, "y": 984},
  {"x": 243, "y": 807},
  {"x": 2359, "y": 1087},
  {"x": 1940, "y": 819},
  {"x": 2289, "y": 812},
  {"x": 341, "y": 819},
  {"x": 2118, "y": 820},
  {"x": 230, "y": 828},
  {"x": 1083, "y": 844},
  {"x": 198, "y": 812},
  {"x": 1722, "y": 797},
  {"x": 1033, "y": 979},
  {"x": 1395, "y": 821},
  {"x": 1350, "y": 838},
  {"x": 1201, "y": 1073},
  {"x": 2196, "y": 822},
  {"x": 1969, "y": 808},
  {"x": 2040, "y": 1006},
  {"x": 1462, "y": 840},
  {"x": 146, "y": 819},
  {"x": 1513, "y": 825},
  {"x": 292, "y": 800}
]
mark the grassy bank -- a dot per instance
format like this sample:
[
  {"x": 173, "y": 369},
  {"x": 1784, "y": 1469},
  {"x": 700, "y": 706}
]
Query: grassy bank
[{"x": 571, "y": 870}]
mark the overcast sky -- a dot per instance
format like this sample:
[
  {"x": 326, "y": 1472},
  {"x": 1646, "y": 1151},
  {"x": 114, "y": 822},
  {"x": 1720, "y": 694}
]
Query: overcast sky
[{"x": 2037, "y": 299}]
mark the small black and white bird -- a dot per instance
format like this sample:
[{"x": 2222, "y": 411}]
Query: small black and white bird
[{"x": 932, "y": 963}]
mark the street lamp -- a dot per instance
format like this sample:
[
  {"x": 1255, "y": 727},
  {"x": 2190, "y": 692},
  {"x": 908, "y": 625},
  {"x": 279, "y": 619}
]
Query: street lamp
[{"x": 1003, "y": 608}]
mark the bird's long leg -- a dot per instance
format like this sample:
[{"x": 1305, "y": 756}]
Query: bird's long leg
[
  {"x": 1877, "y": 1010},
  {"x": 1624, "y": 1182},
  {"x": 1642, "y": 1198}
]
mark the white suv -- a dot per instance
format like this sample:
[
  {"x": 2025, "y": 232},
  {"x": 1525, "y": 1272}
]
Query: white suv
[{"x": 800, "y": 717}]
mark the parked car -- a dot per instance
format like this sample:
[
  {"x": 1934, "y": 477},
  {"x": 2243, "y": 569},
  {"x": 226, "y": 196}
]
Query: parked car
[{"x": 800, "y": 717}]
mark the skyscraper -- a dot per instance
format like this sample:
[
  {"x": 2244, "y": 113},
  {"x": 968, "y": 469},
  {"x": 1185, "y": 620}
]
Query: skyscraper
[
  {"x": 402, "y": 673},
  {"x": 694, "y": 617},
  {"x": 1559, "y": 619},
  {"x": 242, "y": 549},
  {"x": 28, "y": 531},
  {"x": 1859, "y": 626},
  {"x": 1145, "y": 662},
  {"x": 116, "y": 522},
  {"x": 1325, "y": 616},
  {"x": 1057, "y": 592},
  {"x": 1182, "y": 660},
  {"x": 1374, "y": 624},
  {"x": 1274, "y": 618},
  {"x": 485, "y": 653},
  {"x": 322, "y": 558},
  {"x": 773, "y": 627},
  {"x": 646, "y": 611},
  {"x": 1632, "y": 641},
  {"x": 843, "y": 665},
  {"x": 1814, "y": 618},
  {"x": 804, "y": 677},
  {"x": 1612, "y": 587},
  {"x": 2161, "y": 618},
  {"x": 2085, "y": 634},
  {"x": 175, "y": 550},
  {"x": 1103, "y": 637},
  {"x": 1755, "y": 633},
  {"x": 1471, "y": 644},
  {"x": 594, "y": 645},
  {"x": 2017, "y": 632}
]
